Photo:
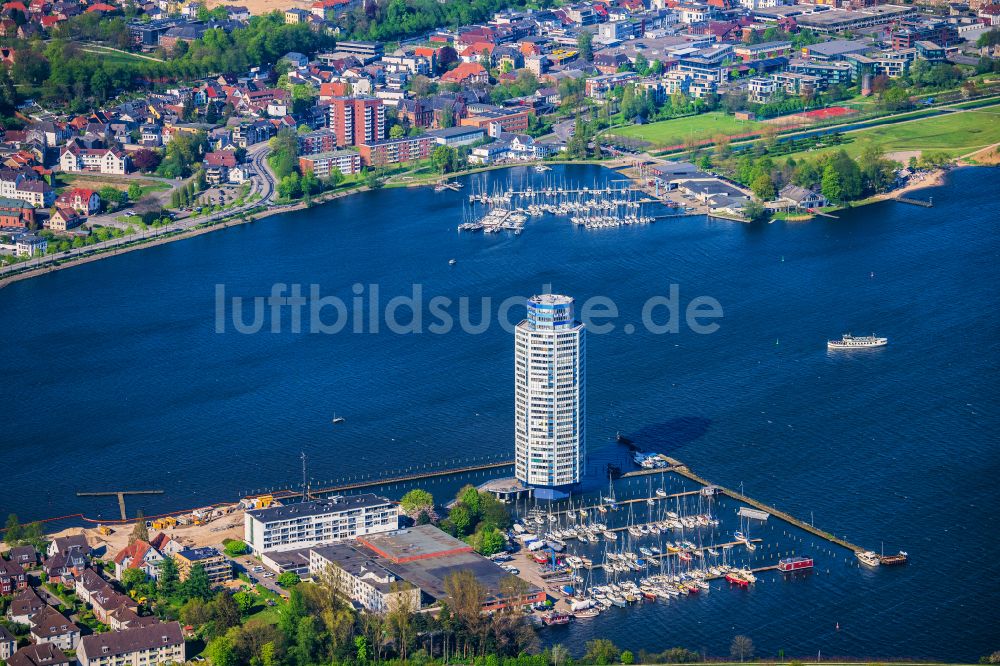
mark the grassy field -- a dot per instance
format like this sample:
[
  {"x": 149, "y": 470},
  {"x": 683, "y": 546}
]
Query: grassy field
[
  {"x": 703, "y": 127},
  {"x": 114, "y": 55},
  {"x": 97, "y": 181},
  {"x": 954, "y": 134}
]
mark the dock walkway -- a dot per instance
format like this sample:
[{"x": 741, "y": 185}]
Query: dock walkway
[{"x": 680, "y": 468}]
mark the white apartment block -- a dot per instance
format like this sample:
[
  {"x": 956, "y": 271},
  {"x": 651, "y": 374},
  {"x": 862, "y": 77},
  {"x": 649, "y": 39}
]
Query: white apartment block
[{"x": 307, "y": 524}]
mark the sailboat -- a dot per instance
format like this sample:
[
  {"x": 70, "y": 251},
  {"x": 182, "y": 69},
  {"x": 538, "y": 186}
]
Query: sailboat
[{"x": 337, "y": 419}]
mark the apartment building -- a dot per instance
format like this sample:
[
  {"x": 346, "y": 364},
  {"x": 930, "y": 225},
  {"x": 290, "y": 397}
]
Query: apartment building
[
  {"x": 158, "y": 643},
  {"x": 320, "y": 522},
  {"x": 357, "y": 120}
]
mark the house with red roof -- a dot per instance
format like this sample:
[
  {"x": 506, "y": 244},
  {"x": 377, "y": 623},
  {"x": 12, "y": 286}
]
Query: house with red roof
[
  {"x": 474, "y": 52},
  {"x": 101, "y": 7},
  {"x": 138, "y": 555},
  {"x": 80, "y": 199},
  {"x": 63, "y": 219},
  {"x": 466, "y": 73}
]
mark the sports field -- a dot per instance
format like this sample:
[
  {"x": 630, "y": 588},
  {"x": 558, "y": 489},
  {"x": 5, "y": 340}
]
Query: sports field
[
  {"x": 667, "y": 133},
  {"x": 955, "y": 134}
]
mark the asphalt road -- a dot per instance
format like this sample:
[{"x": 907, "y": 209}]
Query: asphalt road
[{"x": 262, "y": 183}]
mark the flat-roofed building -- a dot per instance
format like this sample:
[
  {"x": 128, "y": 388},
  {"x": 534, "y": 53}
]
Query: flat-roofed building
[
  {"x": 425, "y": 557},
  {"x": 215, "y": 564},
  {"x": 357, "y": 575},
  {"x": 322, "y": 165},
  {"x": 319, "y": 522}
]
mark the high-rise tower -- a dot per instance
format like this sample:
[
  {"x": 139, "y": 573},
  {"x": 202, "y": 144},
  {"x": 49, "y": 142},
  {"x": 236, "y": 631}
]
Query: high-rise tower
[{"x": 550, "y": 397}]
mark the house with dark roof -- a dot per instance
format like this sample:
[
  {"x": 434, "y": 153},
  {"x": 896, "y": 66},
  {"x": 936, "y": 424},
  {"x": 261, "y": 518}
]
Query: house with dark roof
[
  {"x": 26, "y": 556},
  {"x": 65, "y": 544},
  {"x": 8, "y": 644},
  {"x": 153, "y": 644},
  {"x": 41, "y": 654},
  {"x": 25, "y": 604},
  {"x": 801, "y": 197},
  {"x": 12, "y": 577},
  {"x": 50, "y": 626}
]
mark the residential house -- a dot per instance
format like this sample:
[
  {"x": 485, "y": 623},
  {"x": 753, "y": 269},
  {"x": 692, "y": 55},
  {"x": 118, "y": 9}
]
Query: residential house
[
  {"x": 42, "y": 654},
  {"x": 63, "y": 219},
  {"x": 25, "y": 185},
  {"x": 25, "y": 604},
  {"x": 12, "y": 577},
  {"x": 165, "y": 545},
  {"x": 65, "y": 544},
  {"x": 50, "y": 626},
  {"x": 217, "y": 166},
  {"x": 124, "y": 617},
  {"x": 101, "y": 160},
  {"x": 138, "y": 555},
  {"x": 82, "y": 200},
  {"x": 8, "y": 644},
  {"x": 801, "y": 197},
  {"x": 65, "y": 566},
  {"x": 30, "y": 245},
  {"x": 467, "y": 73},
  {"x": 140, "y": 646},
  {"x": 26, "y": 556}
]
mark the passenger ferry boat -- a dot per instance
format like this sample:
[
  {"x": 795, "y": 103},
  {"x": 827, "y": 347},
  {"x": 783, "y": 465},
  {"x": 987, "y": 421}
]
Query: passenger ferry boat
[
  {"x": 848, "y": 341},
  {"x": 795, "y": 564}
]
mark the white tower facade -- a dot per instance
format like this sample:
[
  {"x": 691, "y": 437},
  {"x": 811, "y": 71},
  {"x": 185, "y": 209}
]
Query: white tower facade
[{"x": 550, "y": 389}]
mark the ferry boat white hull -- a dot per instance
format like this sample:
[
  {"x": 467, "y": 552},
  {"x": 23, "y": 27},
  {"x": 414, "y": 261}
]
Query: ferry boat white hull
[{"x": 848, "y": 342}]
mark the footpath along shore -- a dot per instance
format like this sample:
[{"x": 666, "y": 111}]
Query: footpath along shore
[{"x": 929, "y": 179}]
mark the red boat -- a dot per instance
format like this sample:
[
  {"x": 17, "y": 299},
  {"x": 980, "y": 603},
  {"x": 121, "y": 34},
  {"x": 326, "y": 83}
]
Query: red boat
[
  {"x": 795, "y": 564},
  {"x": 737, "y": 579},
  {"x": 649, "y": 596}
]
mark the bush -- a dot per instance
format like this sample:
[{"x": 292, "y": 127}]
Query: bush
[
  {"x": 235, "y": 548},
  {"x": 288, "y": 579}
]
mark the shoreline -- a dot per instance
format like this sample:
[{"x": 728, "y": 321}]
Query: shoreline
[{"x": 934, "y": 178}]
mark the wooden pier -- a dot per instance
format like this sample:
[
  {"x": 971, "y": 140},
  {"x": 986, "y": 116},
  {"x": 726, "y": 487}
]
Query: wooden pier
[
  {"x": 917, "y": 202},
  {"x": 680, "y": 468},
  {"x": 402, "y": 478},
  {"x": 623, "y": 502}
]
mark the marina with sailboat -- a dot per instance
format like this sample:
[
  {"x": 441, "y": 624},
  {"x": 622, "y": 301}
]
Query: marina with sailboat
[{"x": 603, "y": 205}]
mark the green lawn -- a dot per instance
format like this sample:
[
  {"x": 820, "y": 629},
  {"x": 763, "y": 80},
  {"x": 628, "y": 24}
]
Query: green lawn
[
  {"x": 112, "y": 55},
  {"x": 954, "y": 134},
  {"x": 673, "y": 132}
]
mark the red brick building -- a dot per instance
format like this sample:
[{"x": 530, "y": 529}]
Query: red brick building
[{"x": 357, "y": 120}]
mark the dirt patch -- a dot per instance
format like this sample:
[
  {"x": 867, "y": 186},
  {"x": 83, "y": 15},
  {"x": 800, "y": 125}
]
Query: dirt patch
[
  {"x": 210, "y": 534},
  {"x": 903, "y": 156}
]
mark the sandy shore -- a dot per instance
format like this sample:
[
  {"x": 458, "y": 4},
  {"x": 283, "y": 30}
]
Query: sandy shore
[
  {"x": 933, "y": 178},
  {"x": 210, "y": 534}
]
